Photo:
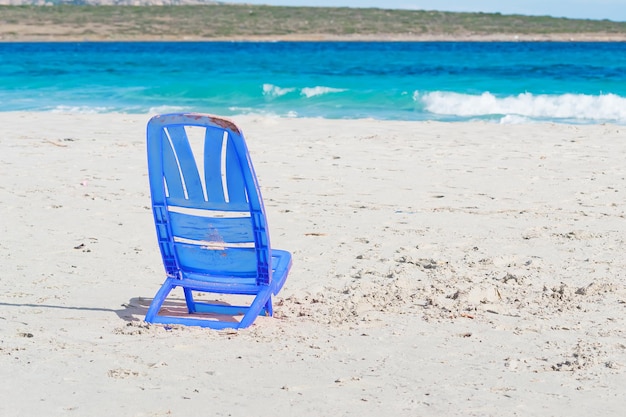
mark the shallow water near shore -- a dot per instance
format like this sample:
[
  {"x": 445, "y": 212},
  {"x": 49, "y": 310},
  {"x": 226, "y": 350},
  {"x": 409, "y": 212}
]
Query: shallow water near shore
[{"x": 504, "y": 82}]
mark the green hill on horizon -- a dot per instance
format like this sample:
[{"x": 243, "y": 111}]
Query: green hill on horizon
[{"x": 224, "y": 21}]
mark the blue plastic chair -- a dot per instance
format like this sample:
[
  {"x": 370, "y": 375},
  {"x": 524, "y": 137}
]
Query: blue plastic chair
[{"x": 210, "y": 223}]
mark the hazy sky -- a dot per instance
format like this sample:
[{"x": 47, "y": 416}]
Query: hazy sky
[{"x": 579, "y": 9}]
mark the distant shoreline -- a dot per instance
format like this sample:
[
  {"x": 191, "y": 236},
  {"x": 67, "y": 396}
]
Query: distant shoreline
[{"x": 577, "y": 37}]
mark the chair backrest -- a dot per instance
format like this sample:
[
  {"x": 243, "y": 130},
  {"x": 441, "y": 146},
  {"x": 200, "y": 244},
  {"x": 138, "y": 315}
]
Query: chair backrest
[{"x": 206, "y": 202}]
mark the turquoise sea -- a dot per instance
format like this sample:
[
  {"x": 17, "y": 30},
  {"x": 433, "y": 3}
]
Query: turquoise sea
[{"x": 504, "y": 82}]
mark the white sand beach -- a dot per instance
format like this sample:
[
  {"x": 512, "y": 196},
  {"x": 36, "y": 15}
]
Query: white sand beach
[{"x": 440, "y": 269}]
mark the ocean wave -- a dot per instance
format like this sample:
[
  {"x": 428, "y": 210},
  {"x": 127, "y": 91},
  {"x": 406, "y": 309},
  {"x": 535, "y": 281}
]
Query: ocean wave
[
  {"x": 524, "y": 107},
  {"x": 257, "y": 112},
  {"x": 275, "y": 91},
  {"x": 166, "y": 109},
  {"x": 309, "y": 92},
  {"x": 81, "y": 109},
  {"x": 271, "y": 90},
  {"x": 122, "y": 109}
]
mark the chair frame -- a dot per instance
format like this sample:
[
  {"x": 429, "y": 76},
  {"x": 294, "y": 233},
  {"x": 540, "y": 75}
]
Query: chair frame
[{"x": 272, "y": 266}]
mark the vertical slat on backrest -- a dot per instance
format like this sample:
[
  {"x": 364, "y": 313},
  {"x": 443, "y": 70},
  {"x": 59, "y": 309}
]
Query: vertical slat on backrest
[
  {"x": 213, "y": 141},
  {"x": 187, "y": 162},
  {"x": 234, "y": 177},
  {"x": 170, "y": 169}
]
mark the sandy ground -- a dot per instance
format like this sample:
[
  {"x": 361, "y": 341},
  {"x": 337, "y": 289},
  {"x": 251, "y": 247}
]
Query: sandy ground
[{"x": 465, "y": 269}]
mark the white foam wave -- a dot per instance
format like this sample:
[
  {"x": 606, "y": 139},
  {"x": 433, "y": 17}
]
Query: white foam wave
[
  {"x": 526, "y": 106},
  {"x": 250, "y": 111},
  {"x": 166, "y": 109},
  {"x": 272, "y": 90},
  {"x": 275, "y": 91},
  {"x": 81, "y": 109},
  {"x": 318, "y": 91}
]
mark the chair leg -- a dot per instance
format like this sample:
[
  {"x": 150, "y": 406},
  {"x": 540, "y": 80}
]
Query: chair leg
[
  {"x": 158, "y": 300},
  {"x": 269, "y": 311},
  {"x": 261, "y": 300},
  {"x": 191, "y": 304}
]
